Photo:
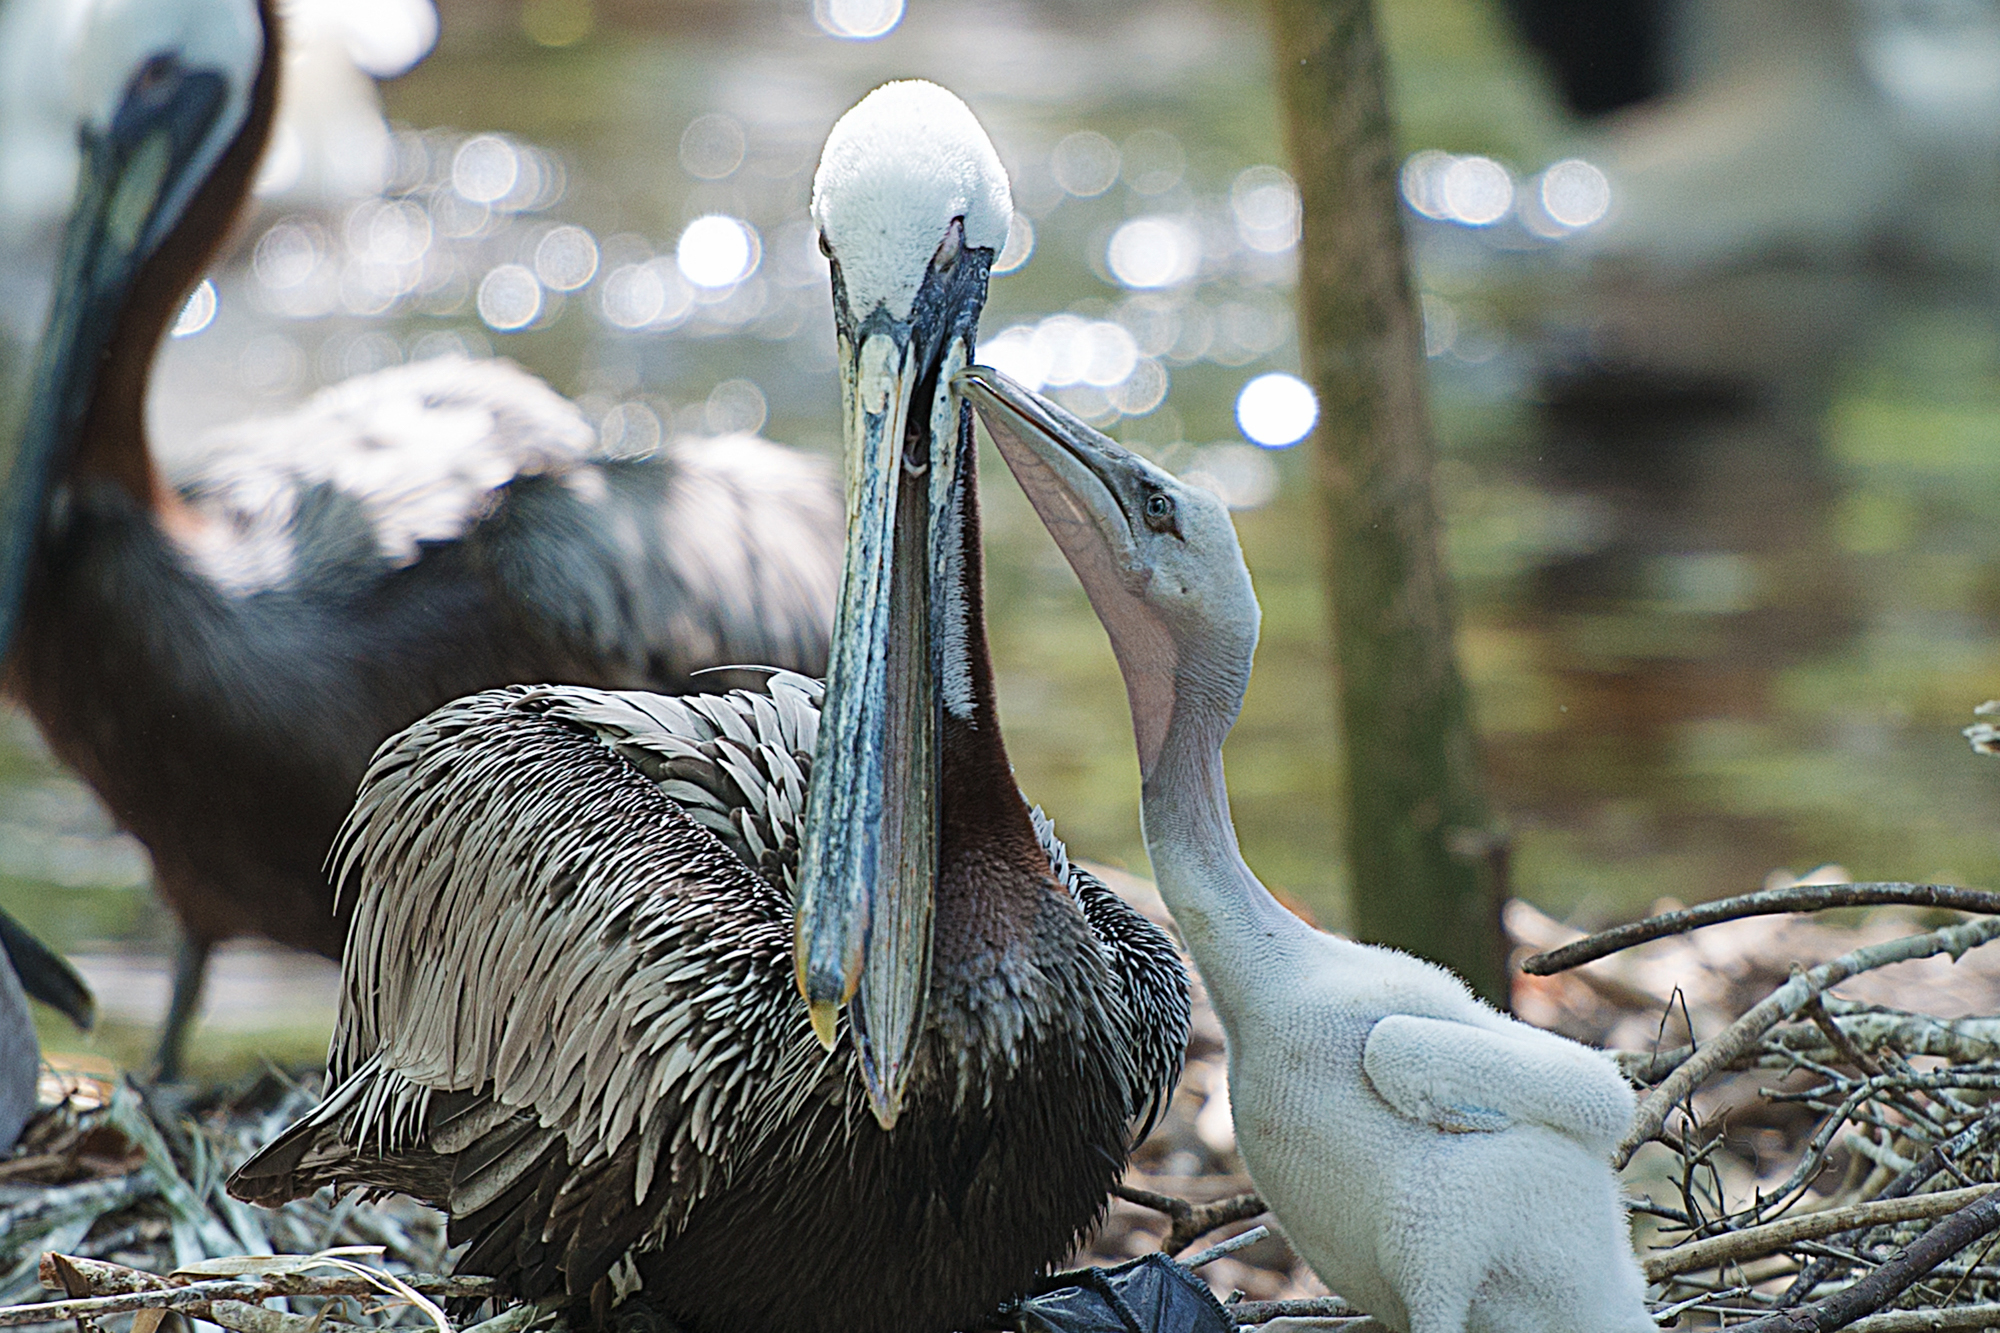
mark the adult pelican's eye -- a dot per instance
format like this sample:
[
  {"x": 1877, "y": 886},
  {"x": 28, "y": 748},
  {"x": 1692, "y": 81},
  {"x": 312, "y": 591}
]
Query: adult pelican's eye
[
  {"x": 152, "y": 77},
  {"x": 949, "y": 248},
  {"x": 1160, "y": 513}
]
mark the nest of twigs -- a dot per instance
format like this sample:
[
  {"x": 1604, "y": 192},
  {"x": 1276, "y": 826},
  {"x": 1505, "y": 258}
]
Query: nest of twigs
[
  {"x": 123, "y": 1182},
  {"x": 1803, "y": 1159}
]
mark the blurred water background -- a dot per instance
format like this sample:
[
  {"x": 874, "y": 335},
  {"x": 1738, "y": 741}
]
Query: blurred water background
[{"x": 1716, "y": 380}]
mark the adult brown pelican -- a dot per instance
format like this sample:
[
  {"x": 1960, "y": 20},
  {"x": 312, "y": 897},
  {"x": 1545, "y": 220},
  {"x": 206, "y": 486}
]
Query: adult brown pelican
[
  {"x": 571, "y": 1015},
  {"x": 219, "y": 653}
]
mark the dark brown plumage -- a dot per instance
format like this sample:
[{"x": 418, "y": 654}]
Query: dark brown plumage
[{"x": 570, "y": 1021}]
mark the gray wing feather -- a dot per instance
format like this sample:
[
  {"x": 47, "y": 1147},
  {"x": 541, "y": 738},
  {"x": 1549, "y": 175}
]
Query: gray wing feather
[
  {"x": 422, "y": 449},
  {"x": 626, "y": 952},
  {"x": 737, "y": 764},
  {"x": 705, "y": 552}
]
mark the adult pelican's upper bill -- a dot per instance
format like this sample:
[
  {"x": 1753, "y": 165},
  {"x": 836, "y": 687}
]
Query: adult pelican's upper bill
[
  {"x": 219, "y": 651},
  {"x": 572, "y": 1014}
]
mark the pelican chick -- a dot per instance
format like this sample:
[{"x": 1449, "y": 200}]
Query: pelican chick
[{"x": 1440, "y": 1165}]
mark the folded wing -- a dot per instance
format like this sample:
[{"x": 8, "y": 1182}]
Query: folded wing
[{"x": 1465, "y": 1079}]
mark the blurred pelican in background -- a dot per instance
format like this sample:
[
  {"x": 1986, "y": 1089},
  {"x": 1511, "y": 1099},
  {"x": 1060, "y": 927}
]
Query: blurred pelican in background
[{"x": 218, "y": 651}]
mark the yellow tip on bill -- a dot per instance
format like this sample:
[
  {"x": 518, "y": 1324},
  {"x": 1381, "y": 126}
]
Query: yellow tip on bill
[{"x": 824, "y": 1013}]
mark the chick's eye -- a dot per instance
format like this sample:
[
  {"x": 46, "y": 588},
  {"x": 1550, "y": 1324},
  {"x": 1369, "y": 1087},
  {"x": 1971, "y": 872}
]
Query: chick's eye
[
  {"x": 824, "y": 248},
  {"x": 1160, "y": 512}
]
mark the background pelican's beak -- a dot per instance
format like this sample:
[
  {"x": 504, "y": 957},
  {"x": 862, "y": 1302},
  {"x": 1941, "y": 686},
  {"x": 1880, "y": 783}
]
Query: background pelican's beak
[
  {"x": 46, "y": 975},
  {"x": 133, "y": 181}
]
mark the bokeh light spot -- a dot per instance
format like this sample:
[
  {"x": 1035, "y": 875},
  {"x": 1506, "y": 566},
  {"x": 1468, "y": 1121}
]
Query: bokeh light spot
[
  {"x": 566, "y": 258},
  {"x": 1477, "y": 191},
  {"x": 1244, "y": 478},
  {"x": 629, "y": 430},
  {"x": 198, "y": 312},
  {"x": 1153, "y": 252},
  {"x": 857, "y": 20},
  {"x": 1266, "y": 204},
  {"x": 717, "y": 251},
  {"x": 1020, "y": 245},
  {"x": 509, "y": 298},
  {"x": 735, "y": 407},
  {"x": 1085, "y": 164},
  {"x": 712, "y": 146},
  {"x": 1575, "y": 193},
  {"x": 1423, "y": 182},
  {"x": 1276, "y": 410},
  {"x": 485, "y": 169}
]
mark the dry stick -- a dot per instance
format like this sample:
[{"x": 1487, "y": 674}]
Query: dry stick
[
  {"x": 1230, "y": 1246},
  {"x": 1192, "y": 1221},
  {"x": 1781, "y": 1004},
  {"x": 196, "y": 1295},
  {"x": 1889, "y": 1281},
  {"x": 1958, "y": 1039},
  {"x": 1926, "y": 1321},
  {"x": 1766, "y": 902},
  {"x": 1312, "y": 1307},
  {"x": 109, "y": 1279},
  {"x": 1755, "y": 1242},
  {"x": 180, "y": 1298}
]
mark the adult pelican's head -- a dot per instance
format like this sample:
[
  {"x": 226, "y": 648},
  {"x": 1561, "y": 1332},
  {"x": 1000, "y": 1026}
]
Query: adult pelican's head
[
  {"x": 912, "y": 205},
  {"x": 128, "y": 129}
]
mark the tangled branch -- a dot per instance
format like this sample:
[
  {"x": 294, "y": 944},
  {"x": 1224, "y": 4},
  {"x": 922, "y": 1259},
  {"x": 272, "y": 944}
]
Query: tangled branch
[
  {"x": 1192, "y": 1221},
  {"x": 1737, "y": 1039},
  {"x": 1766, "y": 902}
]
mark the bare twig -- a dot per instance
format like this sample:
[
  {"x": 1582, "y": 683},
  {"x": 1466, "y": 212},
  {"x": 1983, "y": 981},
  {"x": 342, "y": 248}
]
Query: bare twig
[
  {"x": 129, "y": 1290},
  {"x": 1317, "y": 1307},
  {"x": 179, "y": 1298},
  {"x": 1925, "y": 1321},
  {"x": 1230, "y": 1246},
  {"x": 1842, "y": 1042},
  {"x": 1871, "y": 1293},
  {"x": 1781, "y": 1004},
  {"x": 1766, "y": 902},
  {"x": 1666, "y": 1313},
  {"x": 1867, "y": 1027},
  {"x": 1192, "y": 1221},
  {"x": 1970, "y": 1139},
  {"x": 1754, "y": 1242}
]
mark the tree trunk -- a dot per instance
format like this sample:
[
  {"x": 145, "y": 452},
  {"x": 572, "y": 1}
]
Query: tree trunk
[{"x": 1426, "y": 866}]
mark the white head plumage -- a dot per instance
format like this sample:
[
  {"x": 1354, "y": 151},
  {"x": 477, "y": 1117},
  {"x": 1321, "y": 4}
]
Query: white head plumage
[
  {"x": 897, "y": 169},
  {"x": 67, "y": 63}
]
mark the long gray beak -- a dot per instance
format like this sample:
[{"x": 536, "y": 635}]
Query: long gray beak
[
  {"x": 868, "y": 867},
  {"x": 132, "y": 181}
]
